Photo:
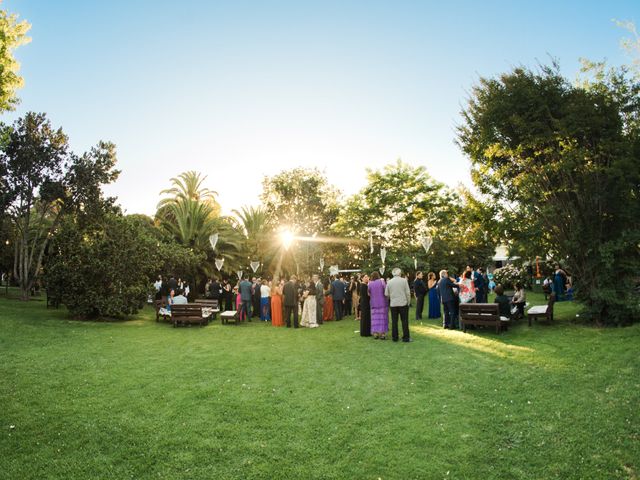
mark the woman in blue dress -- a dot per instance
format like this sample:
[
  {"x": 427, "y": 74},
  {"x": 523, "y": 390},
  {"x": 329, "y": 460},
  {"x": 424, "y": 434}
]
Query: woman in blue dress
[
  {"x": 558, "y": 283},
  {"x": 434, "y": 296}
]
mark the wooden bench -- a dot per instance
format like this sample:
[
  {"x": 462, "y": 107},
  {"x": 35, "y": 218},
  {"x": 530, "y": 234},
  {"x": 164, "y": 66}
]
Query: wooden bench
[
  {"x": 486, "y": 314},
  {"x": 186, "y": 314},
  {"x": 158, "y": 304},
  {"x": 542, "y": 311},
  {"x": 230, "y": 315},
  {"x": 214, "y": 305}
]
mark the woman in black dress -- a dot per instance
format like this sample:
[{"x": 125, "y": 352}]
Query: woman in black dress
[{"x": 365, "y": 308}]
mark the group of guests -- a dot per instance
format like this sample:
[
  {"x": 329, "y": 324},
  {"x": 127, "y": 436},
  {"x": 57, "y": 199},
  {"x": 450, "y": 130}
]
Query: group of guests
[
  {"x": 309, "y": 302},
  {"x": 473, "y": 287}
]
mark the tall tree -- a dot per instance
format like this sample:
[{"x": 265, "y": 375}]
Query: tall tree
[
  {"x": 42, "y": 182},
  {"x": 567, "y": 159},
  {"x": 303, "y": 201},
  {"x": 401, "y": 204},
  {"x": 190, "y": 214},
  {"x": 13, "y": 33}
]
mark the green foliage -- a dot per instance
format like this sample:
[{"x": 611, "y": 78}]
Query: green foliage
[
  {"x": 142, "y": 400},
  {"x": 303, "y": 201},
  {"x": 43, "y": 182},
  {"x": 102, "y": 269},
  {"x": 509, "y": 275},
  {"x": 565, "y": 160},
  {"x": 399, "y": 205},
  {"x": 13, "y": 33}
]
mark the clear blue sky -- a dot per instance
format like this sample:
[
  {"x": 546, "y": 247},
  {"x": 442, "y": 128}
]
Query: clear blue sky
[{"x": 238, "y": 90}]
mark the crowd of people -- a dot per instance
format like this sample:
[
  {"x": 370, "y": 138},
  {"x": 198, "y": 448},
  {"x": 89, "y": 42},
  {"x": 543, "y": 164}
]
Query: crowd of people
[{"x": 311, "y": 301}]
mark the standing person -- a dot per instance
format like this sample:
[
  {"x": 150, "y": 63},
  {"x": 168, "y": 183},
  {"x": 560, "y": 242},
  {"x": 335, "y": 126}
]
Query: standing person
[
  {"x": 348, "y": 298},
  {"x": 276, "y": 304},
  {"x": 354, "y": 287},
  {"x": 467, "y": 288},
  {"x": 483, "y": 294},
  {"x": 399, "y": 295},
  {"x": 255, "y": 296},
  {"x": 319, "y": 298},
  {"x": 290, "y": 292},
  {"x": 265, "y": 302},
  {"x": 365, "y": 307},
  {"x": 215, "y": 290},
  {"x": 227, "y": 291},
  {"x": 434, "y": 296},
  {"x": 245, "y": 297},
  {"x": 379, "y": 307},
  {"x": 327, "y": 311},
  {"x": 309, "y": 307},
  {"x": 338, "y": 294},
  {"x": 445, "y": 288},
  {"x": 172, "y": 284},
  {"x": 559, "y": 282},
  {"x": 420, "y": 290}
]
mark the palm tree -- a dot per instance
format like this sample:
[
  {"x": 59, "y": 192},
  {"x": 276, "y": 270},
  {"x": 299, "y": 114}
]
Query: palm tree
[
  {"x": 190, "y": 214},
  {"x": 258, "y": 233}
]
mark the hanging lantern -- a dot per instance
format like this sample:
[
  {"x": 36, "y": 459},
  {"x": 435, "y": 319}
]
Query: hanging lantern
[
  {"x": 383, "y": 254},
  {"x": 239, "y": 274},
  {"x": 426, "y": 243},
  {"x": 415, "y": 263},
  {"x": 213, "y": 240},
  {"x": 254, "y": 266},
  {"x": 333, "y": 270},
  {"x": 370, "y": 243},
  {"x": 321, "y": 263},
  {"x": 382, "y": 270},
  {"x": 219, "y": 263}
]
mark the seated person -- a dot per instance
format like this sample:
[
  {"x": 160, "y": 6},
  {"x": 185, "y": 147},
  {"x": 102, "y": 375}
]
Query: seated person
[
  {"x": 519, "y": 299},
  {"x": 180, "y": 299},
  {"x": 503, "y": 301}
]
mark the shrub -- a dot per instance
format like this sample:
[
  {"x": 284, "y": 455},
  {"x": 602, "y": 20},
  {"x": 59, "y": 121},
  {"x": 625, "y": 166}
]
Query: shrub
[{"x": 509, "y": 275}]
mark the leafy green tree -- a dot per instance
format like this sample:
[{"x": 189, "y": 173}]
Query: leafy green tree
[
  {"x": 102, "y": 267},
  {"x": 302, "y": 200},
  {"x": 400, "y": 205},
  {"x": 42, "y": 182},
  {"x": 565, "y": 159},
  {"x": 13, "y": 33}
]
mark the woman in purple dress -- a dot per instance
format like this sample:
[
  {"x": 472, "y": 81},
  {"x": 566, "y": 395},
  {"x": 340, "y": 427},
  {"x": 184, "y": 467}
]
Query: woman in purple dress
[{"x": 379, "y": 307}]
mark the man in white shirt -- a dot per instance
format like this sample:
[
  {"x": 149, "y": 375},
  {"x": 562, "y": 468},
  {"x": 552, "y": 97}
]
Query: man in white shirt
[{"x": 399, "y": 294}]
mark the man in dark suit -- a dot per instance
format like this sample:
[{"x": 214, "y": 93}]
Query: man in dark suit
[
  {"x": 255, "y": 292},
  {"x": 319, "y": 298},
  {"x": 290, "y": 293},
  {"x": 338, "y": 294},
  {"x": 420, "y": 290},
  {"x": 214, "y": 290},
  {"x": 173, "y": 284},
  {"x": 245, "y": 298},
  {"x": 445, "y": 287}
]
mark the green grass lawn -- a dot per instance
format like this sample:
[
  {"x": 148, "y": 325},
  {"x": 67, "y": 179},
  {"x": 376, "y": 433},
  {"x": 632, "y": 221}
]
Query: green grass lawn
[{"x": 142, "y": 400}]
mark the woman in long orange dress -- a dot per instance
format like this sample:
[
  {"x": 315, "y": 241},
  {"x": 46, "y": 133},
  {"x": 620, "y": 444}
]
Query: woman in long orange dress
[
  {"x": 327, "y": 311},
  {"x": 276, "y": 304}
]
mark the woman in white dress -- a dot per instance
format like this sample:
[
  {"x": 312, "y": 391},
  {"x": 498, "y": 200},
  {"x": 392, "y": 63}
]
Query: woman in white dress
[{"x": 309, "y": 307}]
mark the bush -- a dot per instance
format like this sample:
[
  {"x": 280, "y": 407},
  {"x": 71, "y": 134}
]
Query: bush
[
  {"x": 103, "y": 269},
  {"x": 509, "y": 275}
]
